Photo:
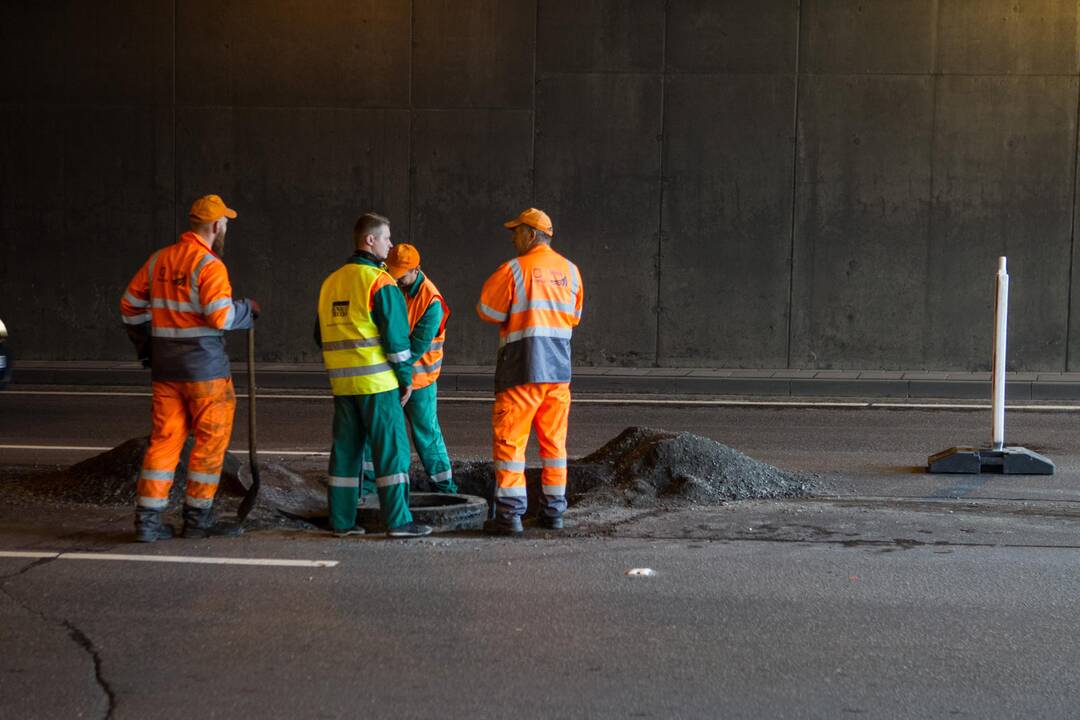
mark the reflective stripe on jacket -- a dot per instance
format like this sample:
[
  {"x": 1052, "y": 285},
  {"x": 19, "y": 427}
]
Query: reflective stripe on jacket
[
  {"x": 536, "y": 300},
  {"x": 426, "y": 370},
  {"x": 351, "y": 342},
  {"x": 182, "y": 299}
]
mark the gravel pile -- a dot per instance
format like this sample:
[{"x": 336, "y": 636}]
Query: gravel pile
[
  {"x": 111, "y": 477},
  {"x": 643, "y": 466}
]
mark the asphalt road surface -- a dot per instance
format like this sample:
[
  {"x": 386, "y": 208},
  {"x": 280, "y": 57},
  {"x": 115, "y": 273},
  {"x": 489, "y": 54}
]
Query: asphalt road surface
[{"x": 897, "y": 594}]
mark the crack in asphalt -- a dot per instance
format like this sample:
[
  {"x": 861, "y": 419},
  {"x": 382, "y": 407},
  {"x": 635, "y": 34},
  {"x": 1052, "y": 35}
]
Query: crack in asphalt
[{"x": 74, "y": 633}]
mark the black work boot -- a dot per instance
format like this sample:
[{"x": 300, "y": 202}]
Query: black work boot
[
  {"x": 503, "y": 526},
  {"x": 409, "y": 530},
  {"x": 551, "y": 523},
  {"x": 199, "y": 524},
  {"x": 148, "y": 526}
]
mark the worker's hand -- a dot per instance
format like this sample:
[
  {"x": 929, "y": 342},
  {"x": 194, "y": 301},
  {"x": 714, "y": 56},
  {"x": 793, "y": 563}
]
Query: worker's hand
[
  {"x": 406, "y": 393},
  {"x": 256, "y": 309}
]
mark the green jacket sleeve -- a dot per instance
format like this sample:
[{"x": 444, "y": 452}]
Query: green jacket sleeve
[
  {"x": 427, "y": 327},
  {"x": 390, "y": 316}
]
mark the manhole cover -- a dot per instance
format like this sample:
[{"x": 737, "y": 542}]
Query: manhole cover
[{"x": 442, "y": 512}]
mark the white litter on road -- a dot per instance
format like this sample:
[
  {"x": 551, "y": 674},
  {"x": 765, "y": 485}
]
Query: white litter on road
[{"x": 640, "y": 572}]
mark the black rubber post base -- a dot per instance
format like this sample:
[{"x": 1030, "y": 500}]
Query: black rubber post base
[{"x": 1008, "y": 461}]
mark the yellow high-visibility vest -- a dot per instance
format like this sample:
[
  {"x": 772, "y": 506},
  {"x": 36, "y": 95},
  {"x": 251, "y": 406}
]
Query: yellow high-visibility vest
[{"x": 352, "y": 349}]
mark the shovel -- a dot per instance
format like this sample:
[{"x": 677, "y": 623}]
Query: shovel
[{"x": 249, "y": 498}]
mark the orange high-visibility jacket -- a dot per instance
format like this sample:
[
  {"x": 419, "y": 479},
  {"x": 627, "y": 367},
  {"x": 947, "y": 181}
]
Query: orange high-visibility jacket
[
  {"x": 427, "y": 368},
  {"x": 536, "y": 301},
  {"x": 181, "y": 299}
]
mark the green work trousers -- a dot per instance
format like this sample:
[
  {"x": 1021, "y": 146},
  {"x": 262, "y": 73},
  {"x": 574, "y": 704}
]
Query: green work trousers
[
  {"x": 422, "y": 411},
  {"x": 360, "y": 420}
]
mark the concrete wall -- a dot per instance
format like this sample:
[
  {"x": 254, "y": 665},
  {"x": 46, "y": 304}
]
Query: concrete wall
[{"x": 746, "y": 183}]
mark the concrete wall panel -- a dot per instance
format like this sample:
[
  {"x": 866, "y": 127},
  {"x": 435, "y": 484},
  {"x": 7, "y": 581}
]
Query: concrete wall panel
[
  {"x": 340, "y": 53},
  {"x": 1002, "y": 186},
  {"x": 98, "y": 53},
  {"x": 600, "y": 35},
  {"x": 728, "y": 149},
  {"x": 896, "y": 36},
  {"x": 1009, "y": 37},
  {"x": 859, "y": 290},
  {"x": 598, "y": 176},
  {"x": 473, "y": 171},
  {"x": 1073, "y": 361},
  {"x": 82, "y": 186},
  {"x": 741, "y": 36},
  {"x": 473, "y": 53},
  {"x": 298, "y": 179}
]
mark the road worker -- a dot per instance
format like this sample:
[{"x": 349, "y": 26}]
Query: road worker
[
  {"x": 536, "y": 301},
  {"x": 363, "y": 331},
  {"x": 428, "y": 313},
  {"x": 176, "y": 310}
]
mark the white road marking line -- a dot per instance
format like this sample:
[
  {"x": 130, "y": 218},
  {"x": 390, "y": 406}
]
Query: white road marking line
[
  {"x": 195, "y": 559},
  {"x": 630, "y": 400}
]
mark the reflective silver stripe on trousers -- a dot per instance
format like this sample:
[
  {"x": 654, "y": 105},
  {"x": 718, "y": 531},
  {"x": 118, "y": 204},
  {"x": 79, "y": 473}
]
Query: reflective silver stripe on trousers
[
  {"x": 201, "y": 503},
  {"x": 369, "y": 467},
  {"x": 153, "y": 503},
  {"x": 136, "y": 302},
  {"x": 437, "y": 345},
  {"x": 168, "y": 332},
  {"x": 389, "y": 480},
  {"x": 204, "y": 478},
  {"x": 512, "y": 465},
  {"x": 444, "y": 475},
  {"x": 175, "y": 305},
  {"x": 350, "y": 344},
  {"x": 542, "y": 305},
  {"x": 358, "y": 371},
  {"x": 553, "y": 490},
  {"x": 519, "y": 281},
  {"x": 512, "y": 492},
  {"x": 399, "y": 356},
  {"x": 554, "y": 462},
  {"x": 137, "y": 319},
  {"x": 428, "y": 368},
  {"x": 344, "y": 482},
  {"x": 491, "y": 312},
  {"x": 157, "y": 474},
  {"x": 537, "y": 331}
]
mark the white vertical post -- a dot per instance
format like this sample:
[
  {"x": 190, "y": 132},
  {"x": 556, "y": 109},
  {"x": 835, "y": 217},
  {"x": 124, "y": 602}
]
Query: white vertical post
[{"x": 1000, "y": 324}]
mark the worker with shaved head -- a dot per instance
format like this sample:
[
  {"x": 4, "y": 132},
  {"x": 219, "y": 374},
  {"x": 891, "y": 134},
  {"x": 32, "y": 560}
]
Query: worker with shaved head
[
  {"x": 536, "y": 300},
  {"x": 363, "y": 330},
  {"x": 176, "y": 310}
]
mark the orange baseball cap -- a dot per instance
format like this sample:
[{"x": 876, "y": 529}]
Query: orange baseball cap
[
  {"x": 402, "y": 259},
  {"x": 533, "y": 218},
  {"x": 209, "y": 208}
]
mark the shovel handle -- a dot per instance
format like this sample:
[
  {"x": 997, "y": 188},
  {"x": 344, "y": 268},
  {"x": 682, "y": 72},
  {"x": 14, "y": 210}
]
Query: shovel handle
[{"x": 251, "y": 393}]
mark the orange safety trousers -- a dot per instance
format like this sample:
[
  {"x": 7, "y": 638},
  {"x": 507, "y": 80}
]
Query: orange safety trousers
[
  {"x": 179, "y": 409},
  {"x": 546, "y": 407}
]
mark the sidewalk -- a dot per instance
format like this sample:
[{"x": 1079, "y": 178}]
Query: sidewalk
[{"x": 1033, "y": 386}]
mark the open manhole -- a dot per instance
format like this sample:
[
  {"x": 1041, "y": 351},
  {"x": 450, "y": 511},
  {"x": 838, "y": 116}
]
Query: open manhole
[{"x": 441, "y": 511}]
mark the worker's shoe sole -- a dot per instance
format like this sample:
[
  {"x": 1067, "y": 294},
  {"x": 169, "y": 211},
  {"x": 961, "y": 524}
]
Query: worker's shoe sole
[
  {"x": 197, "y": 533},
  {"x": 503, "y": 528},
  {"x": 412, "y": 530},
  {"x": 149, "y": 535},
  {"x": 349, "y": 532}
]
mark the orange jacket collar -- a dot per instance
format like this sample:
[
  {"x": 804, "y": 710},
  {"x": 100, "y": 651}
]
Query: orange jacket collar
[{"x": 192, "y": 236}]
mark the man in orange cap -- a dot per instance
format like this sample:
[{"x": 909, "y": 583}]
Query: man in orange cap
[
  {"x": 536, "y": 301},
  {"x": 428, "y": 313},
  {"x": 176, "y": 311}
]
